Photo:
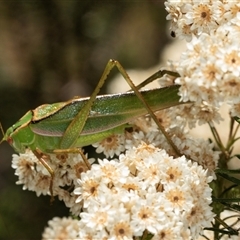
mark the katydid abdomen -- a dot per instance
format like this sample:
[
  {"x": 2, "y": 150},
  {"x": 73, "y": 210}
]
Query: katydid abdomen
[{"x": 44, "y": 127}]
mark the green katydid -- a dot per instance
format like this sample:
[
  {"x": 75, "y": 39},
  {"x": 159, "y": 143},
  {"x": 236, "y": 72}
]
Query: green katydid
[{"x": 67, "y": 126}]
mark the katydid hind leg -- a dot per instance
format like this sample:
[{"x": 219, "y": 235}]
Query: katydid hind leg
[
  {"x": 150, "y": 112},
  {"x": 72, "y": 132},
  {"x": 76, "y": 126}
]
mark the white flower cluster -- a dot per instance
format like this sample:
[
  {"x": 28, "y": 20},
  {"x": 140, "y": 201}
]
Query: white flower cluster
[
  {"x": 35, "y": 177},
  {"x": 146, "y": 191},
  {"x": 194, "y": 17},
  {"x": 210, "y": 67}
]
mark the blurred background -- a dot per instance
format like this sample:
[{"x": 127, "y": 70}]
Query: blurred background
[{"x": 51, "y": 51}]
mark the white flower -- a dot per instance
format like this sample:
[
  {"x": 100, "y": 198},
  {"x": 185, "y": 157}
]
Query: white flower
[
  {"x": 198, "y": 217},
  {"x": 98, "y": 217},
  {"x": 201, "y": 16},
  {"x": 144, "y": 217},
  {"x": 179, "y": 196},
  {"x": 112, "y": 171},
  {"x": 235, "y": 110},
  {"x": 228, "y": 58},
  {"x": 61, "y": 228},
  {"x": 89, "y": 189},
  {"x": 169, "y": 230},
  {"x": 110, "y": 146}
]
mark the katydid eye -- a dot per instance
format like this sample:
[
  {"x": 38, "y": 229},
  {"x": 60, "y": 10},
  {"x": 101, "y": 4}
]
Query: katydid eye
[{"x": 10, "y": 140}]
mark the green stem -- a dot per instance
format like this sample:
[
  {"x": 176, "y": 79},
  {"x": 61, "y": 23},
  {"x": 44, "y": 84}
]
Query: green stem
[
  {"x": 217, "y": 139},
  {"x": 232, "y": 135}
]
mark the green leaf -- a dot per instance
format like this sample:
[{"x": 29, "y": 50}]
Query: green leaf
[
  {"x": 229, "y": 178},
  {"x": 225, "y": 200},
  {"x": 228, "y": 171},
  {"x": 237, "y": 119}
]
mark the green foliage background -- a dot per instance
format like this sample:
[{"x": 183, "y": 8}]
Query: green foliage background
[{"x": 51, "y": 51}]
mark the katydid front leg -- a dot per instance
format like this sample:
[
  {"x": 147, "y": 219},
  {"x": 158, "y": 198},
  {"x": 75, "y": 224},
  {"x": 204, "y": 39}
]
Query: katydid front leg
[
  {"x": 42, "y": 157},
  {"x": 74, "y": 129}
]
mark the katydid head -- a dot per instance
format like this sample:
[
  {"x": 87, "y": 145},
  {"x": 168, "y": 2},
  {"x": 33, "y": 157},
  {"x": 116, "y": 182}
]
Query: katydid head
[
  {"x": 10, "y": 136},
  {"x": 16, "y": 135}
]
